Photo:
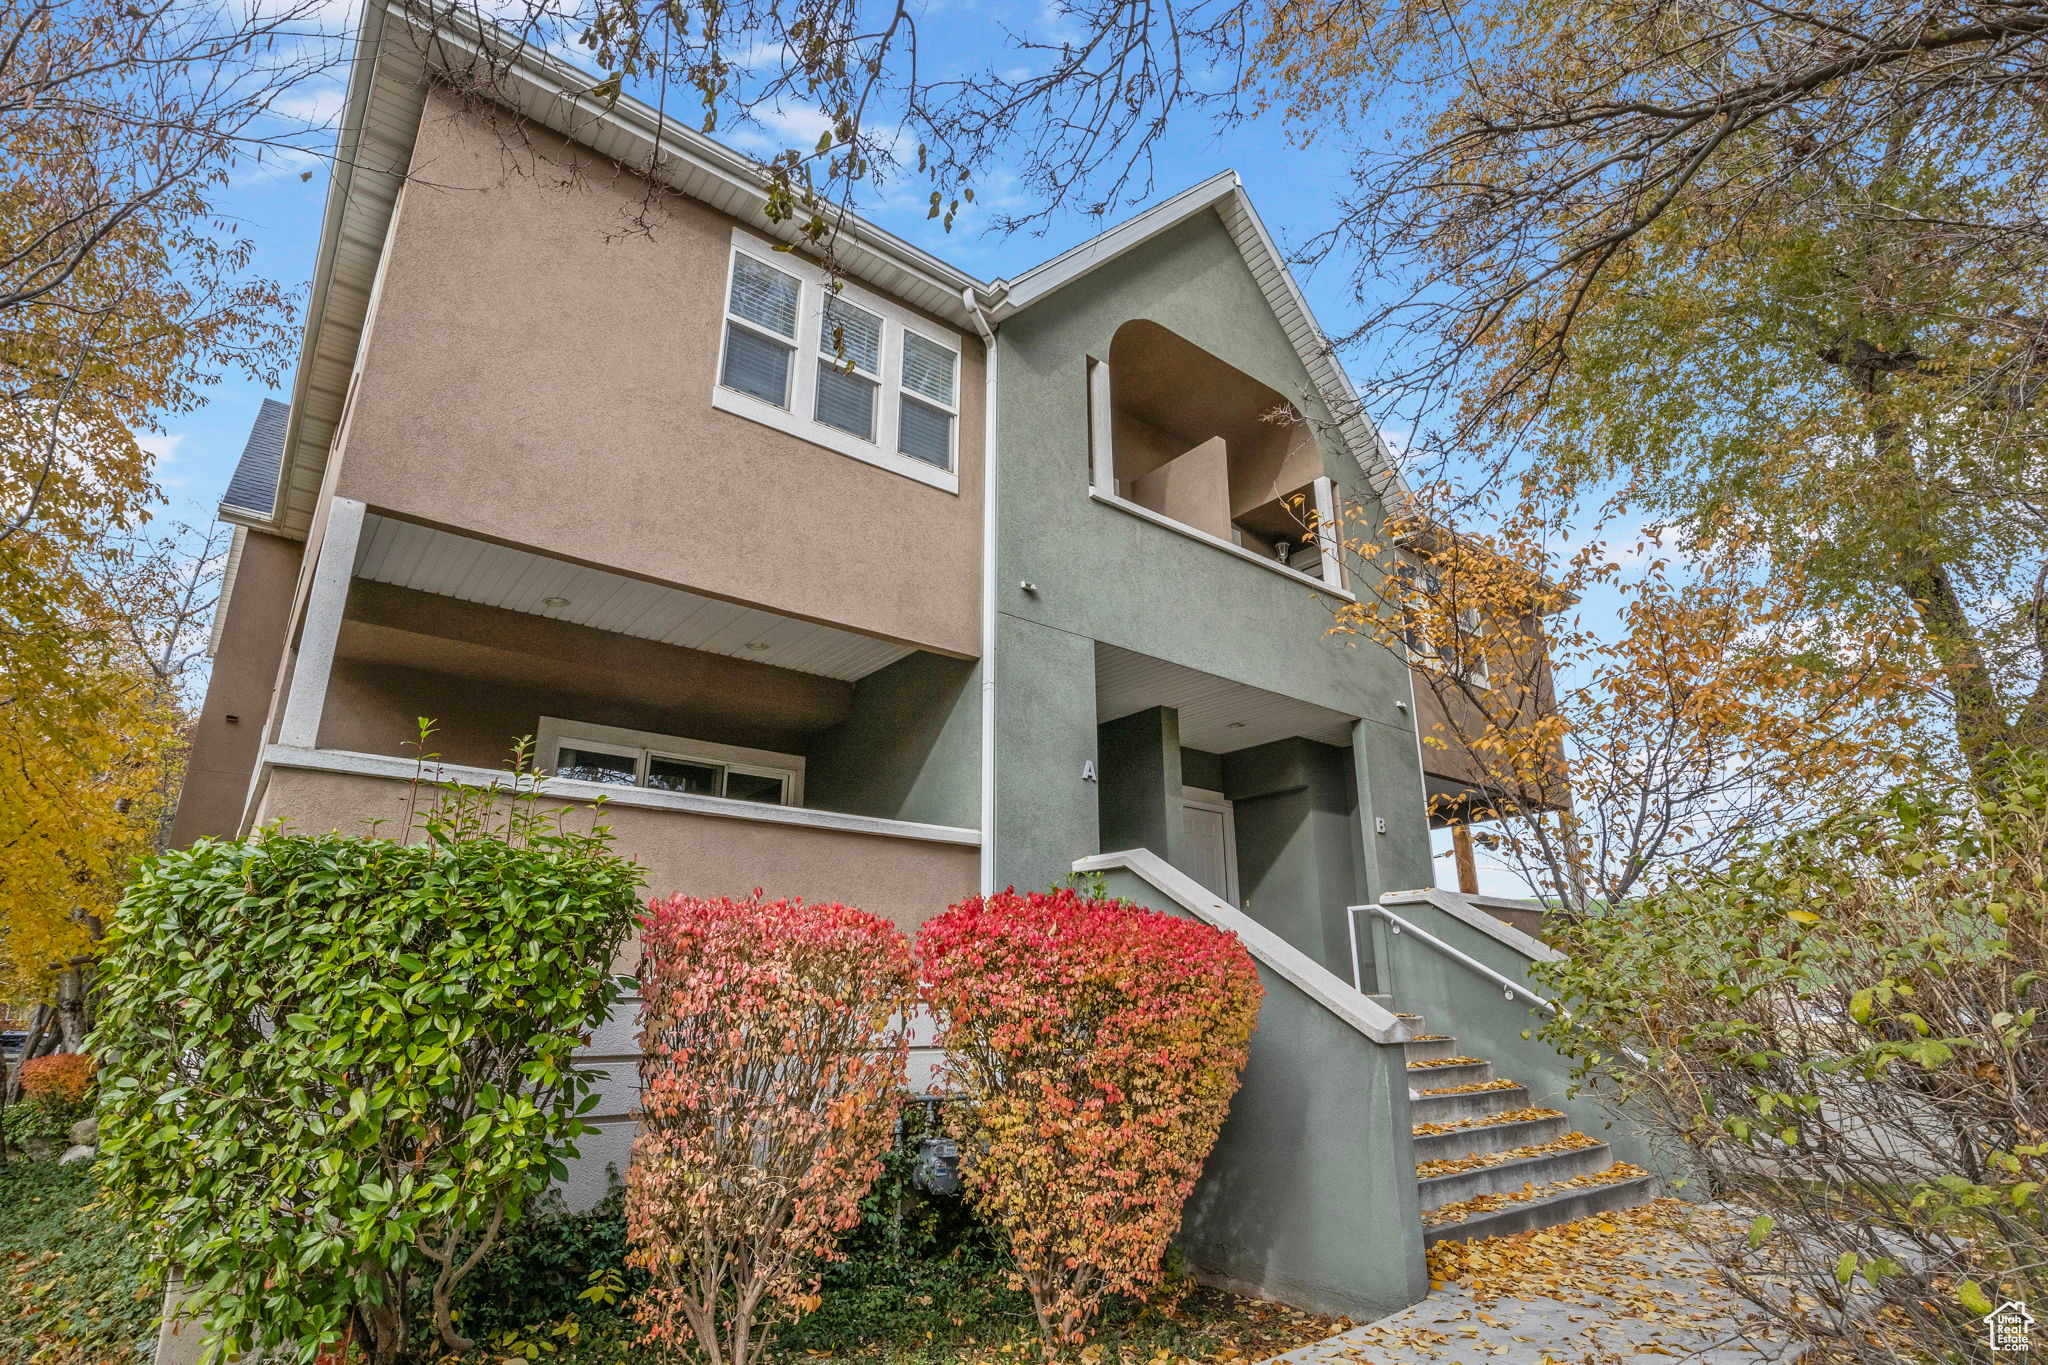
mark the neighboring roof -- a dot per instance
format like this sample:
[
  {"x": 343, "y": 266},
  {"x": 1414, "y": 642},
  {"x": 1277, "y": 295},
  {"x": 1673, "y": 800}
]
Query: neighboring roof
[
  {"x": 252, "y": 490},
  {"x": 400, "y": 47}
]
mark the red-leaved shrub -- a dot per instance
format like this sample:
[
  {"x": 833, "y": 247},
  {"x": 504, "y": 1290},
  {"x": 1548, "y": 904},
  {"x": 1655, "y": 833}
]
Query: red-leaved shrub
[
  {"x": 60, "y": 1078},
  {"x": 1095, "y": 1047},
  {"x": 773, "y": 1059}
]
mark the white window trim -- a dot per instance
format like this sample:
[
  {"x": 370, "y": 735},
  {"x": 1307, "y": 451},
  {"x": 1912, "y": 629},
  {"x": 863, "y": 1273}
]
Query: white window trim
[
  {"x": 553, "y": 732},
  {"x": 811, "y": 343}
]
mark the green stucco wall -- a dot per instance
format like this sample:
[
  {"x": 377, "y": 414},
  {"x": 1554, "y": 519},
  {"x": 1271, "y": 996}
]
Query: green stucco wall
[
  {"x": 1298, "y": 844},
  {"x": 1099, "y": 573},
  {"x": 910, "y": 749},
  {"x": 1140, "y": 782}
]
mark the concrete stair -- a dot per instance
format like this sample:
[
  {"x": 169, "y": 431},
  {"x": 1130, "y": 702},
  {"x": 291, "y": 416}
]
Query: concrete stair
[
  {"x": 1490, "y": 1165},
  {"x": 1490, "y": 1133},
  {"x": 1430, "y": 1107}
]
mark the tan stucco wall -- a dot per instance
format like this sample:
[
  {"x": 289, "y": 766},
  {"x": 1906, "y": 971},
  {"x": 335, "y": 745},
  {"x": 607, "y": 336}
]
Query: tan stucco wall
[
  {"x": 245, "y": 669},
  {"x": 904, "y": 880},
  {"x": 539, "y": 374},
  {"x": 485, "y": 676}
]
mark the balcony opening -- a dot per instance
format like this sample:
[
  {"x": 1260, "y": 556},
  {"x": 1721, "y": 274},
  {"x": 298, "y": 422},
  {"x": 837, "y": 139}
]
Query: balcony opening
[
  {"x": 630, "y": 685},
  {"x": 1191, "y": 438}
]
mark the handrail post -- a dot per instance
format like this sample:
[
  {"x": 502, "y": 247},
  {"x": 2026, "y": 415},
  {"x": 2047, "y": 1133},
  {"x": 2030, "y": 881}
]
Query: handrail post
[{"x": 1351, "y": 923}]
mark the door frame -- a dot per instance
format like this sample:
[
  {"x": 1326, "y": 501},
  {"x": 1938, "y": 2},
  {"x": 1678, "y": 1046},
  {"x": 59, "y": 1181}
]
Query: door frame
[{"x": 1202, "y": 798}]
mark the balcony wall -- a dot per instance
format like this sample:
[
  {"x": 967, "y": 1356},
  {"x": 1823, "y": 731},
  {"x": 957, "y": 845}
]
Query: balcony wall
[{"x": 901, "y": 871}]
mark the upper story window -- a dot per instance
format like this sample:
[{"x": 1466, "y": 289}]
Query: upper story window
[
  {"x": 1443, "y": 633},
  {"x": 760, "y": 331},
  {"x": 618, "y": 757},
  {"x": 838, "y": 366}
]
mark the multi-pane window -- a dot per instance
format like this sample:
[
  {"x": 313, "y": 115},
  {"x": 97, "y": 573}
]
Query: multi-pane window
[
  {"x": 849, "y": 368},
  {"x": 839, "y": 367},
  {"x": 760, "y": 330},
  {"x": 924, "y": 426},
  {"x": 624, "y": 766}
]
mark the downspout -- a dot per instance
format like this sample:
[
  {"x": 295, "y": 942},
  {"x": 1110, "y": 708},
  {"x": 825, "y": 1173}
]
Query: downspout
[{"x": 988, "y": 589}]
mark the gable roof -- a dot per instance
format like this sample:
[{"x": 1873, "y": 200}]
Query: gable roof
[
  {"x": 402, "y": 45},
  {"x": 252, "y": 489},
  {"x": 1224, "y": 193}
]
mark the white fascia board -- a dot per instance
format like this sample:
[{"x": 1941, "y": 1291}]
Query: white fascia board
[
  {"x": 341, "y": 181},
  {"x": 556, "y": 95},
  {"x": 1070, "y": 265},
  {"x": 1289, "y": 304},
  {"x": 228, "y": 574}
]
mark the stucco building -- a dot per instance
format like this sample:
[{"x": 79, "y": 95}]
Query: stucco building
[{"x": 887, "y": 589}]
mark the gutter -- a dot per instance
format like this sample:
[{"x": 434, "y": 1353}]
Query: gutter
[{"x": 990, "y": 353}]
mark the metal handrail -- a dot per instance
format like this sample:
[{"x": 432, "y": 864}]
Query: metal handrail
[{"x": 1399, "y": 925}]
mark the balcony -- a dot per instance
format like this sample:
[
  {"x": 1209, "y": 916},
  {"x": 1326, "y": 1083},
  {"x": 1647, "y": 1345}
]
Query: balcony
[
  {"x": 1184, "y": 439},
  {"x": 734, "y": 746}
]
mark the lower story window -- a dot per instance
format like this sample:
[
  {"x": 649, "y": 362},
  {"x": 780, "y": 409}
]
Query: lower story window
[{"x": 631, "y": 758}]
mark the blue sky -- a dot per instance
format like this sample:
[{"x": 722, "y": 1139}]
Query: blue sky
[{"x": 1293, "y": 188}]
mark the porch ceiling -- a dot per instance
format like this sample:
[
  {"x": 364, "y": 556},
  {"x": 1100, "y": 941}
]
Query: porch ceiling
[
  {"x": 1216, "y": 715},
  {"x": 436, "y": 561}
]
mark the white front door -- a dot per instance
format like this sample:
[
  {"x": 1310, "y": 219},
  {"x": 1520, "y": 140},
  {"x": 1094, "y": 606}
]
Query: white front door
[{"x": 1211, "y": 841}]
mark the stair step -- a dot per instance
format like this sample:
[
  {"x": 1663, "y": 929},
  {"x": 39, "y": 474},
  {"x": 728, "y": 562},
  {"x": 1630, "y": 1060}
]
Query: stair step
[
  {"x": 1546, "y": 1209},
  {"x": 1484, "y": 1138},
  {"x": 1502, "y": 1177},
  {"x": 1385, "y": 1002},
  {"x": 1463, "y": 1104},
  {"x": 1448, "y": 1072},
  {"x": 1429, "y": 1047}
]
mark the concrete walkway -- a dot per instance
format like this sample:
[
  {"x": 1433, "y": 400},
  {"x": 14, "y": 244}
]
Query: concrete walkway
[{"x": 1616, "y": 1287}]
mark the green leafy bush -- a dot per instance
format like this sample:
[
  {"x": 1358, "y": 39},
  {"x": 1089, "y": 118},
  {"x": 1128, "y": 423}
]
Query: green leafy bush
[
  {"x": 543, "y": 1266},
  {"x": 1846, "y": 1031},
  {"x": 341, "y": 1066}
]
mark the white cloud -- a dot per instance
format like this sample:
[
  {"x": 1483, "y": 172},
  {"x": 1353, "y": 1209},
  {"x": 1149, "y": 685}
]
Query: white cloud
[
  {"x": 775, "y": 130},
  {"x": 316, "y": 106},
  {"x": 163, "y": 445}
]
